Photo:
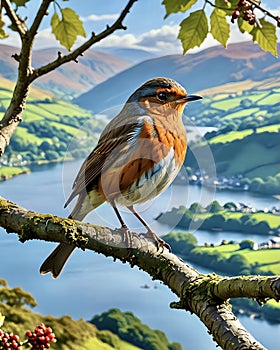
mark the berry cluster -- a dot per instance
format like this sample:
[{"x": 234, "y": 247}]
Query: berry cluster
[
  {"x": 41, "y": 337},
  {"x": 9, "y": 341},
  {"x": 245, "y": 10}
]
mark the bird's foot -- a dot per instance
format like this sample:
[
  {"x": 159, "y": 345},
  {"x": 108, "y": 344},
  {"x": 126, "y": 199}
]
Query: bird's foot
[
  {"x": 159, "y": 242},
  {"x": 127, "y": 236}
]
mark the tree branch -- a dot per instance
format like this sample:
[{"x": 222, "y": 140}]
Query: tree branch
[
  {"x": 267, "y": 13},
  {"x": 39, "y": 17},
  {"x": 256, "y": 4},
  {"x": 260, "y": 288},
  {"x": 81, "y": 49},
  {"x": 26, "y": 75},
  {"x": 17, "y": 22},
  {"x": 198, "y": 293}
]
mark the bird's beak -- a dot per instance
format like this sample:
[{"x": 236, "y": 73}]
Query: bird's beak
[{"x": 190, "y": 98}]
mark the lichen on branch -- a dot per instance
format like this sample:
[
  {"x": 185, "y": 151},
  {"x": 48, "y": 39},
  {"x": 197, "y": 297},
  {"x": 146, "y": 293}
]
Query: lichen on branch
[{"x": 205, "y": 295}]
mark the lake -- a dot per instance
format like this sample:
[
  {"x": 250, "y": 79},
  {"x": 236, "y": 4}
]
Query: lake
[{"x": 91, "y": 283}]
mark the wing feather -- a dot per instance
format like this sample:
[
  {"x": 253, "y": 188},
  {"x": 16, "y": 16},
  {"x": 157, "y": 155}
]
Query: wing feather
[{"x": 90, "y": 170}]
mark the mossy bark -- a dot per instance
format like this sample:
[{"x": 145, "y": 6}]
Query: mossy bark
[{"x": 204, "y": 295}]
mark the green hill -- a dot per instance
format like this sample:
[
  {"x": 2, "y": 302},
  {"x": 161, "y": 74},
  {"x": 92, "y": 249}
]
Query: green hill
[
  {"x": 232, "y": 258},
  {"x": 245, "y": 142},
  {"x": 227, "y": 217},
  {"x": 77, "y": 335},
  {"x": 131, "y": 329},
  {"x": 49, "y": 126}
]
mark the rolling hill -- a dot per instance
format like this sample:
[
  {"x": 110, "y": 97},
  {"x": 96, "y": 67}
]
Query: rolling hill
[
  {"x": 50, "y": 125},
  {"x": 241, "y": 90},
  {"x": 212, "y": 68},
  {"x": 71, "y": 79}
]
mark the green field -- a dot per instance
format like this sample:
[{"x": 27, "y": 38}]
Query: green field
[
  {"x": 52, "y": 110},
  {"x": 271, "y": 99},
  {"x": 267, "y": 259},
  {"x": 24, "y": 134},
  {"x": 70, "y": 129},
  {"x": 61, "y": 107},
  {"x": 96, "y": 344},
  {"x": 7, "y": 172},
  {"x": 272, "y": 219},
  {"x": 242, "y": 113},
  {"x": 49, "y": 126},
  {"x": 231, "y": 136},
  {"x": 225, "y": 102}
]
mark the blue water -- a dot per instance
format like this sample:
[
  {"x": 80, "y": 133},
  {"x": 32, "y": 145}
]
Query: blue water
[{"x": 91, "y": 283}]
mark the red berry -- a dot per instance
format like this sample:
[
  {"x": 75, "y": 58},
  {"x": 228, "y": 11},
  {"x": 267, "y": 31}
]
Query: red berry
[
  {"x": 15, "y": 337},
  {"x": 48, "y": 330},
  {"x": 47, "y": 339},
  {"x": 28, "y": 334},
  {"x": 235, "y": 14}
]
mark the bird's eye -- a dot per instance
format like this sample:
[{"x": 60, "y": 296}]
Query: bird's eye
[{"x": 162, "y": 96}]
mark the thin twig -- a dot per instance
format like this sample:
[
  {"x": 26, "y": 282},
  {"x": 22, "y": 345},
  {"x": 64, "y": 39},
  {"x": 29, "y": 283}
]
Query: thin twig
[
  {"x": 267, "y": 13},
  {"x": 81, "y": 49},
  {"x": 39, "y": 17},
  {"x": 17, "y": 22},
  {"x": 254, "y": 3}
]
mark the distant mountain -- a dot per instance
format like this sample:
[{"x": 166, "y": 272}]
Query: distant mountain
[
  {"x": 71, "y": 79},
  {"x": 210, "y": 68},
  {"x": 133, "y": 55}
]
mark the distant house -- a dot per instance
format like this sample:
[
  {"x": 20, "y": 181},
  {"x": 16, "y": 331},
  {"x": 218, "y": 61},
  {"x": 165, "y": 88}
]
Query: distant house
[{"x": 273, "y": 243}]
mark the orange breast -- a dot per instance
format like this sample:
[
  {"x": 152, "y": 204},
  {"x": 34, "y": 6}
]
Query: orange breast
[{"x": 155, "y": 144}]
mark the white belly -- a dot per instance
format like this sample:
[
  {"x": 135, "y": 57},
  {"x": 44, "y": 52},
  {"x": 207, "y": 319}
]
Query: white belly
[{"x": 151, "y": 183}]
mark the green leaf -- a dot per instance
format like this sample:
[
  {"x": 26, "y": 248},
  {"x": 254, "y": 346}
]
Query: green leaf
[
  {"x": 2, "y": 318},
  {"x": 194, "y": 30},
  {"x": 228, "y": 6},
  {"x": 3, "y": 34},
  {"x": 172, "y": 6},
  {"x": 219, "y": 26},
  {"x": 68, "y": 28},
  {"x": 244, "y": 26},
  {"x": 20, "y": 2},
  {"x": 265, "y": 35}
]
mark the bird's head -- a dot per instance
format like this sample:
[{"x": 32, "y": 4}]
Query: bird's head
[{"x": 159, "y": 94}]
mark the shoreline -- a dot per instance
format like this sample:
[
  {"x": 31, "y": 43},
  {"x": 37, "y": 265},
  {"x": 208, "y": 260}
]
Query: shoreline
[{"x": 27, "y": 170}]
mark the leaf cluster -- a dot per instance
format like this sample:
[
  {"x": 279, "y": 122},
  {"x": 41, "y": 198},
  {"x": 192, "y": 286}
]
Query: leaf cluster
[
  {"x": 195, "y": 28},
  {"x": 65, "y": 23}
]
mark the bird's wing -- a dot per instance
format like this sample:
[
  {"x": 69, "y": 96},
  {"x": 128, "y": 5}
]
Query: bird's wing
[{"x": 116, "y": 138}]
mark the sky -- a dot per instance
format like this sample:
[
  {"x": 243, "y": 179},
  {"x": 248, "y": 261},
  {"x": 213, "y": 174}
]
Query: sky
[{"x": 147, "y": 28}]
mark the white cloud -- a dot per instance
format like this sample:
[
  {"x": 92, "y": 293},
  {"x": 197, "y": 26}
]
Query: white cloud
[
  {"x": 162, "y": 41},
  {"x": 96, "y": 18},
  {"x": 126, "y": 40},
  {"x": 45, "y": 38},
  {"x": 13, "y": 39}
]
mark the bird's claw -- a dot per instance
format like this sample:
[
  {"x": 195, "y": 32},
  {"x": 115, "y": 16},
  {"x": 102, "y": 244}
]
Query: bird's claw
[
  {"x": 159, "y": 242},
  {"x": 127, "y": 236}
]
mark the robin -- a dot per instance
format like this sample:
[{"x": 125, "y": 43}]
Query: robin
[{"x": 138, "y": 155}]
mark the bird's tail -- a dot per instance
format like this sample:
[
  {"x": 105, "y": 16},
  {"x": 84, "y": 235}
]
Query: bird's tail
[{"x": 57, "y": 259}]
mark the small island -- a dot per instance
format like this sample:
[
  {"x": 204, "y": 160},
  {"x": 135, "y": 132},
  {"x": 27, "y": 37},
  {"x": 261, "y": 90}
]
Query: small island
[
  {"x": 228, "y": 217},
  {"x": 233, "y": 258}
]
